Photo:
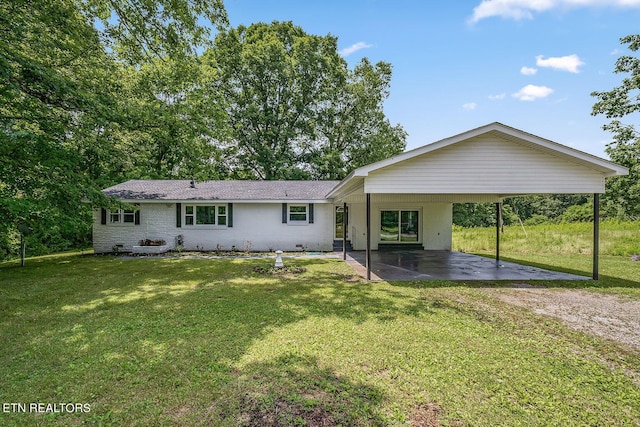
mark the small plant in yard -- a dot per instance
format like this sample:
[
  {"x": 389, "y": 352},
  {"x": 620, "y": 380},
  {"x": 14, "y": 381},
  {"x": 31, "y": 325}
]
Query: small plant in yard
[{"x": 218, "y": 249}]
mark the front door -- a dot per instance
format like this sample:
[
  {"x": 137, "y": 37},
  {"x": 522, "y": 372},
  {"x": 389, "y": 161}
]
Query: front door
[{"x": 339, "y": 229}]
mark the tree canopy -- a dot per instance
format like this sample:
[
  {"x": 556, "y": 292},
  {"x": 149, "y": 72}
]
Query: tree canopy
[
  {"x": 293, "y": 107},
  {"x": 64, "y": 113},
  {"x": 622, "y": 198},
  {"x": 95, "y": 92}
]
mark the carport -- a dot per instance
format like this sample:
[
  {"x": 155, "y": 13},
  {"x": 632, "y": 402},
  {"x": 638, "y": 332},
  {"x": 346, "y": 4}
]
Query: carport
[
  {"x": 406, "y": 201},
  {"x": 411, "y": 264}
]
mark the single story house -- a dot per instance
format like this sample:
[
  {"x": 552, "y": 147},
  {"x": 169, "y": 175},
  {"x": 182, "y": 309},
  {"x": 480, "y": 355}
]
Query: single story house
[{"x": 403, "y": 200}]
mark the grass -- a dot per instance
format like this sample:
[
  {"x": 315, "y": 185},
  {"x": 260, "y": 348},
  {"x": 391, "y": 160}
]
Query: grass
[
  {"x": 616, "y": 238},
  {"x": 150, "y": 342}
]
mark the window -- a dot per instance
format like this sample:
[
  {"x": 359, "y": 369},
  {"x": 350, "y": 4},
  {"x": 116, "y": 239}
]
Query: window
[
  {"x": 122, "y": 216},
  {"x": 298, "y": 213},
  {"x": 399, "y": 226},
  {"x": 205, "y": 215}
]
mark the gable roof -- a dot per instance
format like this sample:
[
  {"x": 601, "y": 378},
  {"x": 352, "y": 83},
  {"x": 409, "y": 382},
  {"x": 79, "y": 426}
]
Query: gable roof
[
  {"x": 355, "y": 179},
  {"x": 178, "y": 190}
]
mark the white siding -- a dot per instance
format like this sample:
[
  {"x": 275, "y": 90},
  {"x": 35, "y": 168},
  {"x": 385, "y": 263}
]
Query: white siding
[
  {"x": 437, "y": 220},
  {"x": 487, "y": 165},
  {"x": 256, "y": 225}
]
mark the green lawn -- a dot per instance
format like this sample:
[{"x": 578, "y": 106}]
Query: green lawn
[{"x": 210, "y": 342}]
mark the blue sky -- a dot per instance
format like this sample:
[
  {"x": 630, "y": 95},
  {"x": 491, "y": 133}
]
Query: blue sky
[{"x": 457, "y": 65}]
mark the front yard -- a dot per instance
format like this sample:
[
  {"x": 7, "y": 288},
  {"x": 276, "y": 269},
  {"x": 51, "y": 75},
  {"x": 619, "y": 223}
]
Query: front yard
[{"x": 212, "y": 342}]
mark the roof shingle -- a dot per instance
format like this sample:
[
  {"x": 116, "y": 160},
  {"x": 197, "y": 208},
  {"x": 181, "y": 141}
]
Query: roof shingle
[{"x": 220, "y": 190}]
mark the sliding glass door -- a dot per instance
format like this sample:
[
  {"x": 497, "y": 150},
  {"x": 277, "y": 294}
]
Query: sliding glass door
[{"x": 399, "y": 226}]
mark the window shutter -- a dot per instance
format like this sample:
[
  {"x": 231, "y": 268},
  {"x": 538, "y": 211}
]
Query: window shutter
[
  {"x": 178, "y": 215},
  {"x": 230, "y": 215},
  {"x": 284, "y": 213},
  {"x": 103, "y": 216},
  {"x": 310, "y": 213},
  {"x": 136, "y": 219}
]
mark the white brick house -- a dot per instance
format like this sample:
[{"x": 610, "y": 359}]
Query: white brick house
[
  {"x": 404, "y": 200},
  {"x": 260, "y": 215}
]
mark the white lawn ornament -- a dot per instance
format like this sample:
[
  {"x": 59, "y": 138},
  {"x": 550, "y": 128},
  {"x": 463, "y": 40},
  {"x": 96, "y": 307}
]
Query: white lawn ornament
[{"x": 279, "y": 263}]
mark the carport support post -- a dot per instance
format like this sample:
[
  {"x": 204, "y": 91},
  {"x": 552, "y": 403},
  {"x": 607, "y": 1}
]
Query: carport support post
[
  {"x": 596, "y": 233},
  {"x": 497, "y": 234},
  {"x": 368, "y": 256},
  {"x": 345, "y": 225}
]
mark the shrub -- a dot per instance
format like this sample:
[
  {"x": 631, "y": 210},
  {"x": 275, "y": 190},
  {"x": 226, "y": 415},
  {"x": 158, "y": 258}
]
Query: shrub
[
  {"x": 536, "y": 220},
  {"x": 578, "y": 213}
]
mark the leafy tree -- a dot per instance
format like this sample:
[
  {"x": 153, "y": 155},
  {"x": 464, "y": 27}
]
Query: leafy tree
[
  {"x": 352, "y": 130},
  {"x": 174, "y": 123},
  {"x": 622, "y": 198},
  {"x": 138, "y": 31},
  {"x": 578, "y": 213},
  {"x": 294, "y": 109},
  {"x": 55, "y": 81},
  {"x": 531, "y": 209},
  {"x": 62, "y": 118},
  {"x": 474, "y": 214}
]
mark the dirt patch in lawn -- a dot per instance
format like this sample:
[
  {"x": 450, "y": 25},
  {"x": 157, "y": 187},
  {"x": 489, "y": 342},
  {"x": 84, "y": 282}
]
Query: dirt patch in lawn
[
  {"x": 428, "y": 415},
  {"x": 282, "y": 412},
  {"x": 609, "y": 316}
]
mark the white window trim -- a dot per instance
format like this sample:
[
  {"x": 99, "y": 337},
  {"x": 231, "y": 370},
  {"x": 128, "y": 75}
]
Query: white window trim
[
  {"x": 215, "y": 226},
  {"x": 300, "y": 221},
  {"x": 121, "y": 213}
]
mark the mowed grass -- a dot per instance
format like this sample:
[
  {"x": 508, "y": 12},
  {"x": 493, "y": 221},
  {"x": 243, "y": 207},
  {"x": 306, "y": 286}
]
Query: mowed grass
[{"x": 149, "y": 342}]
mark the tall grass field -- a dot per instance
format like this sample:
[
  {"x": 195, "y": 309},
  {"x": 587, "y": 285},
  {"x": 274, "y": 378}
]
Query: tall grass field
[{"x": 616, "y": 238}]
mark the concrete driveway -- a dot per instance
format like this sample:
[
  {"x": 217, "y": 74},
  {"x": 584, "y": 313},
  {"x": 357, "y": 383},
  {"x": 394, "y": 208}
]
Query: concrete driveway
[{"x": 405, "y": 265}]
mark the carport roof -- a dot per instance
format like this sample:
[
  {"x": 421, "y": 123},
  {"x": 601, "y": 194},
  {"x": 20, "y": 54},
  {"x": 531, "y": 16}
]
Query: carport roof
[{"x": 607, "y": 168}]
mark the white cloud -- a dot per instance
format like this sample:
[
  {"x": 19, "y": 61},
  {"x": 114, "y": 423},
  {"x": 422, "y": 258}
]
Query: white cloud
[
  {"x": 528, "y": 71},
  {"x": 532, "y": 92},
  {"x": 614, "y": 52},
  {"x": 568, "y": 63},
  {"x": 524, "y": 9},
  {"x": 469, "y": 106},
  {"x": 354, "y": 48},
  {"x": 497, "y": 97}
]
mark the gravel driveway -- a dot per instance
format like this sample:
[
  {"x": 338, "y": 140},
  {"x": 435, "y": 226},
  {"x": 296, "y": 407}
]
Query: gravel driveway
[{"x": 609, "y": 316}]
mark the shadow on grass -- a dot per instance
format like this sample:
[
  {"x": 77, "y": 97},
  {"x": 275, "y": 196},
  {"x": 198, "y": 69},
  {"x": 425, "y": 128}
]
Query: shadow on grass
[
  {"x": 144, "y": 338},
  {"x": 294, "y": 390}
]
